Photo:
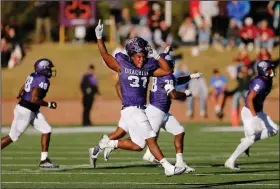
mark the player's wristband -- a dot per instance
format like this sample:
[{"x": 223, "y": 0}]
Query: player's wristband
[
  {"x": 168, "y": 88},
  {"x": 49, "y": 104}
]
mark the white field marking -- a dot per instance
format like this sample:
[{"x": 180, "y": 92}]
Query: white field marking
[
  {"x": 119, "y": 155},
  {"x": 134, "y": 183},
  {"x": 116, "y": 164},
  {"x": 68, "y": 130},
  {"x": 223, "y": 129},
  {"x": 123, "y": 173}
]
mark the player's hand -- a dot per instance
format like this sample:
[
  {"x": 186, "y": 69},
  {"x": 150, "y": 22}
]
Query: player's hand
[
  {"x": 196, "y": 75},
  {"x": 153, "y": 54},
  {"x": 99, "y": 30},
  {"x": 168, "y": 88},
  {"x": 52, "y": 105},
  {"x": 188, "y": 93}
]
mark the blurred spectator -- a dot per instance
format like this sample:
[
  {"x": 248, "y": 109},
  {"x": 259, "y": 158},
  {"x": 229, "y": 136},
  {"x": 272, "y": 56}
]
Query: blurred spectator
[
  {"x": 142, "y": 10},
  {"x": 195, "y": 12},
  {"x": 248, "y": 33},
  {"x": 232, "y": 39},
  {"x": 144, "y": 32},
  {"x": 89, "y": 89},
  {"x": 221, "y": 21},
  {"x": 218, "y": 84},
  {"x": 155, "y": 17},
  {"x": 238, "y": 10},
  {"x": 187, "y": 32},
  {"x": 125, "y": 25},
  {"x": 263, "y": 55},
  {"x": 265, "y": 37},
  {"x": 274, "y": 9},
  {"x": 162, "y": 36},
  {"x": 208, "y": 10},
  {"x": 243, "y": 80},
  {"x": 115, "y": 10},
  {"x": 17, "y": 49},
  {"x": 199, "y": 89},
  {"x": 42, "y": 9},
  {"x": 204, "y": 35},
  {"x": 5, "y": 52},
  {"x": 242, "y": 59}
]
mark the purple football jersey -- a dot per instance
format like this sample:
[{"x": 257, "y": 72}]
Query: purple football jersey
[
  {"x": 158, "y": 95},
  {"x": 134, "y": 81},
  {"x": 262, "y": 87},
  {"x": 35, "y": 80}
]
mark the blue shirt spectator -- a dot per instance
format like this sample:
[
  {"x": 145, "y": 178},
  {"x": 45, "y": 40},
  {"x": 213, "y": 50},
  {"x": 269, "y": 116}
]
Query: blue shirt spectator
[
  {"x": 218, "y": 81},
  {"x": 238, "y": 10}
]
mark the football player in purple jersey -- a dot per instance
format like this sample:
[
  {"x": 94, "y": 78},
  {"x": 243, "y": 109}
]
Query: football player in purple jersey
[
  {"x": 134, "y": 72},
  {"x": 257, "y": 124},
  {"x": 27, "y": 111},
  {"x": 161, "y": 93}
]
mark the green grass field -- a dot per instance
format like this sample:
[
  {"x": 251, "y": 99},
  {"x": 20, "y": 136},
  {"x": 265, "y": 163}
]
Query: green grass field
[{"x": 205, "y": 151}]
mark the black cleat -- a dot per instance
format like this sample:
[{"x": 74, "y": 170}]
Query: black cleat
[
  {"x": 47, "y": 164},
  {"x": 247, "y": 152}
]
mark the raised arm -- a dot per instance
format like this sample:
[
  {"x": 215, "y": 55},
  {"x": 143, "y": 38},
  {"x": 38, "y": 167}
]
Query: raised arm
[
  {"x": 110, "y": 61},
  {"x": 185, "y": 79},
  {"x": 164, "y": 68}
]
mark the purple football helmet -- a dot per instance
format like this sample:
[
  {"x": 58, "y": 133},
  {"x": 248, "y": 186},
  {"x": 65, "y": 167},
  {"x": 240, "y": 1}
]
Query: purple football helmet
[
  {"x": 263, "y": 67},
  {"x": 169, "y": 59},
  {"x": 137, "y": 45},
  {"x": 45, "y": 67}
]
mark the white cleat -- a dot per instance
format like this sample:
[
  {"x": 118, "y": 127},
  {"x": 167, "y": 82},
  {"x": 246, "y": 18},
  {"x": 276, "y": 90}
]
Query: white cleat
[
  {"x": 103, "y": 142},
  {"x": 107, "y": 152},
  {"x": 175, "y": 171},
  {"x": 231, "y": 165},
  {"x": 188, "y": 169},
  {"x": 93, "y": 155},
  {"x": 150, "y": 158}
]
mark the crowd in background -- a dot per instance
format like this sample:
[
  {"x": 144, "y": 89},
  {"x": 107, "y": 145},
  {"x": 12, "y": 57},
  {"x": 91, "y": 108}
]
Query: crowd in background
[{"x": 225, "y": 25}]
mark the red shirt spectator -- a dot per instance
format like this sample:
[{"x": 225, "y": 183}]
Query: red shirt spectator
[
  {"x": 243, "y": 57},
  {"x": 194, "y": 8},
  {"x": 266, "y": 33},
  {"x": 142, "y": 7},
  {"x": 263, "y": 55},
  {"x": 248, "y": 32}
]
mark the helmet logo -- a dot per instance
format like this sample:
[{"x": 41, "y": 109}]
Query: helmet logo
[
  {"x": 45, "y": 63},
  {"x": 263, "y": 64},
  {"x": 167, "y": 57}
]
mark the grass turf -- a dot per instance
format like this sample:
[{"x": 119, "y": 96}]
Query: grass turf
[
  {"x": 205, "y": 151},
  {"x": 71, "y": 62}
]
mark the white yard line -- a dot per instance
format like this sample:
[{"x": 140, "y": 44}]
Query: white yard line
[
  {"x": 136, "y": 163},
  {"x": 30, "y": 172},
  {"x": 135, "y": 183}
]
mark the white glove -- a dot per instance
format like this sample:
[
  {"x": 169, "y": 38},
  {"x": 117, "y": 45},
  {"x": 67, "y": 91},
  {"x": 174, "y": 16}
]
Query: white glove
[
  {"x": 188, "y": 93},
  {"x": 99, "y": 30},
  {"x": 196, "y": 75},
  {"x": 168, "y": 88},
  {"x": 153, "y": 54}
]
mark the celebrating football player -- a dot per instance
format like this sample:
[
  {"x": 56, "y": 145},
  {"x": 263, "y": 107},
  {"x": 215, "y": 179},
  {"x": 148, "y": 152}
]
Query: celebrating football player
[{"x": 134, "y": 71}]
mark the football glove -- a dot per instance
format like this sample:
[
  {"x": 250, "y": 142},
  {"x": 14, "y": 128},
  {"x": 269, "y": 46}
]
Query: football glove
[
  {"x": 153, "y": 54},
  {"x": 188, "y": 93},
  {"x": 168, "y": 88},
  {"x": 196, "y": 75},
  {"x": 99, "y": 30},
  {"x": 52, "y": 105}
]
